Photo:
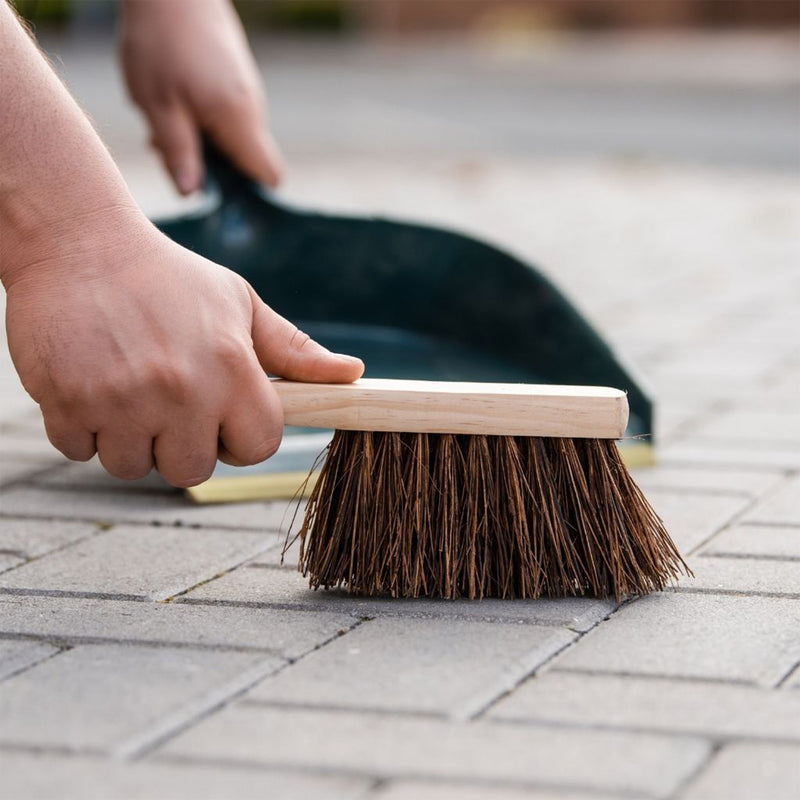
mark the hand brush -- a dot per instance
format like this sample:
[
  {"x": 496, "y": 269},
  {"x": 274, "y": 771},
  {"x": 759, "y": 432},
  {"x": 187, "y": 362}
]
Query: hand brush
[{"x": 444, "y": 489}]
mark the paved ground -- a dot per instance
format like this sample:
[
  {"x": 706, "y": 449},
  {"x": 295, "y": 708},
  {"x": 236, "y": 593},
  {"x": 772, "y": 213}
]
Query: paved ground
[{"x": 151, "y": 648}]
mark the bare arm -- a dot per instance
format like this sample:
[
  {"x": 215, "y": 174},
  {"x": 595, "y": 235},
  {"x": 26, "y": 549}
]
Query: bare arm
[{"x": 133, "y": 347}]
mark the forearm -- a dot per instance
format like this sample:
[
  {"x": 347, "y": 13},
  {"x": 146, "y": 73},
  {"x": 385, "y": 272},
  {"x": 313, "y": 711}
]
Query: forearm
[{"x": 54, "y": 170}]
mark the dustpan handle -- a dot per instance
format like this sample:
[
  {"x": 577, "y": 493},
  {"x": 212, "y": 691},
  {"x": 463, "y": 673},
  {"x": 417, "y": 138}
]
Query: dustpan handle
[{"x": 223, "y": 176}]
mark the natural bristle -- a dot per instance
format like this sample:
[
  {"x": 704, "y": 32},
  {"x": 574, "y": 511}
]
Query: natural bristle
[{"x": 419, "y": 515}]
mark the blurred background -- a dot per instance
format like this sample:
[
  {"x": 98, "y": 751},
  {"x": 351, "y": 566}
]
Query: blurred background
[{"x": 645, "y": 153}]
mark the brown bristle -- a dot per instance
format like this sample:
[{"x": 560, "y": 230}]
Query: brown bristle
[{"x": 446, "y": 515}]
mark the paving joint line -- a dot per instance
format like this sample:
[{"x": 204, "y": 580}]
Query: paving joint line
[
  {"x": 737, "y": 592},
  {"x": 715, "y": 738},
  {"x": 795, "y": 670},
  {"x": 52, "y": 749},
  {"x": 651, "y": 676},
  {"x": 29, "y": 477},
  {"x": 750, "y": 556},
  {"x": 730, "y": 522},
  {"x": 145, "y": 749},
  {"x": 481, "y": 712},
  {"x": 35, "y": 663},
  {"x": 695, "y": 774},
  {"x": 66, "y": 641},
  {"x": 402, "y": 612},
  {"x": 137, "y": 746},
  {"x": 369, "y": 711},
  {"x": 153, "y": 523},
  {"x": 769, "y": 524},
  {"x": 414, "y": 777}
]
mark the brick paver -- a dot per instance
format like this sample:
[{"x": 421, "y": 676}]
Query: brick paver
[
  {"x": 695, "y": 635},
  {"x": 780, "y": 508},
  {"x": 16, "y": 656},
  {"x": 153, "y": 648},
  {"x": 77, "y": 777},
  {"x": 747, "y": 771},
  {"x": 136, "y": 561},
  {"x": 394, "y": 745},
  {"x": 117, "y": 698},
  {"x": 777, "y": 542},
  {"x": 693, "y": 707},
  {"x": 74, "y": 620},
  {"x": 417, "y": 665},
  {"x": 745, "y": 575}
]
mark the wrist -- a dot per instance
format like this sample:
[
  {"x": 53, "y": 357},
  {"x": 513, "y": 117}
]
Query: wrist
[{"x": 81, "y": 244}]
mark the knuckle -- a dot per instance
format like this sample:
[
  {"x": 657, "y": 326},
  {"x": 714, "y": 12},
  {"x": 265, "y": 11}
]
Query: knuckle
[
  {"x": 233, "y": 353},
  {"x": 237, "y": 101},
  {"x": 175, "y": 381},
  {"x": 188, "y": 480},
  {"x": 299, "y": 340},
  {"x": 266, "y": 449},
  {"x": 122, "y": 468},
  {"x": 130, "y": 472},
  {"x": 187, "y": 472},
  {"x": 73, "y": 450}
]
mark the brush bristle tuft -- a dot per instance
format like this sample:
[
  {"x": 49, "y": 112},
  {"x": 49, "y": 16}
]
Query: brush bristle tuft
[{"x": 449, "y": 516}]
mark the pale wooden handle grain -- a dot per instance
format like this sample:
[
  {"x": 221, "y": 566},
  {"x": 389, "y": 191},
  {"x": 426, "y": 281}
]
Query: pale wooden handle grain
[{"x": 507, "y": 409}]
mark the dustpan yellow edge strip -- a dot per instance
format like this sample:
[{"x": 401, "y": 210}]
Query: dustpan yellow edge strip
[{"x": 241, "y": 488}]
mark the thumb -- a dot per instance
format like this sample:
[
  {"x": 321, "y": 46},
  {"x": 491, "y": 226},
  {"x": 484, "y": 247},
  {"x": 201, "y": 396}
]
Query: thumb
[
  {"x": 175, "y": 136},
  {"x": 287, "y": 352}
]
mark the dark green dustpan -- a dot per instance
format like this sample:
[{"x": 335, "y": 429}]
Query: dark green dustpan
[{"x": 410, "y": 300}]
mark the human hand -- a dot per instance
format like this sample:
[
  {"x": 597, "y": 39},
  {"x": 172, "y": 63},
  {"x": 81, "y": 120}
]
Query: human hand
[
  {"x": 188, "y": 66},
  {"x": 150, "y": 355}
]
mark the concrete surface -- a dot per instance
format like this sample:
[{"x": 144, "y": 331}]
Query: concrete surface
[{"x": 152, "y": 649}]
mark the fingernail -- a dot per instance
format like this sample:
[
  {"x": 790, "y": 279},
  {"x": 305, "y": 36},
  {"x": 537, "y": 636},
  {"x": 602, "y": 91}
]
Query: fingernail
[
  {"x": 186, "y": 181},
  {"x": 347, "y": 358}
]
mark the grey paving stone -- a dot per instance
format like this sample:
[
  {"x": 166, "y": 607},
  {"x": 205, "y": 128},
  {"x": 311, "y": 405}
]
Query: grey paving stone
[
  {"x": 781, "y": 507},
  {"x": 395, "y": 747},
  {"x": 744, "y": 575},
  {"x": 14, "y": 400},
  {"x": 757, "y": 540},
  {"x": 139, "y": 561},
  {"x": 693, "y": 517},
  {"x": 421, "y": 790},
  {"x": 285, "y": 587},
  {"x": 440, "y": 666},
  {"x": 115, "y": 699},
  {"x": 730, "y": 454},
  {"x": 739, "y": 481},
  {"x": 654, "y": 704},
  {"x": 143, "y": 507},
  {"x": 290, "y": 633},
  {"x": 752, "y": 639},
  {"x": 9, "y": 561},
  {"x": 17, "y": 468},
  {"x": 749, "y": 772},
  {"x": 16, "y": 656},
  {"x": 749, "y": 425},
  {"x": 15, "y": 442},
  {"x": 91, "y": 475},
  {"x": 32, "y": 538},
  {"x": 48, "y": 776}
]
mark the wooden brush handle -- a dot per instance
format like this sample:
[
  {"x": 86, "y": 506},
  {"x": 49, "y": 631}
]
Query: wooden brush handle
[{"x": 506, "y": 409}]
